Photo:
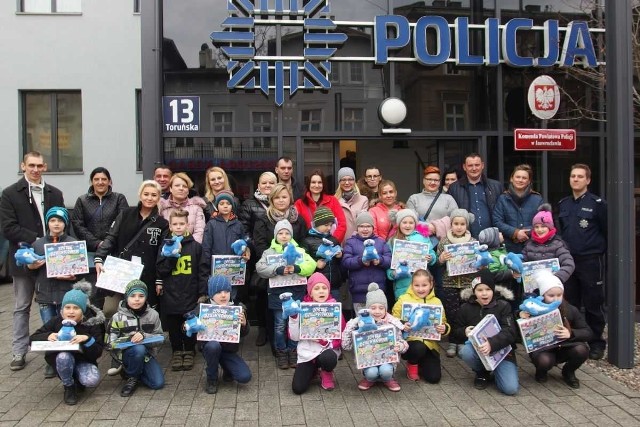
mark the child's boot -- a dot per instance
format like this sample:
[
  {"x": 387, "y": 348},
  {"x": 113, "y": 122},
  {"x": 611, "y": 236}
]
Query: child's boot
[
  {"x": 187, "y": 360},
  {"x": 412, "y": 372},
  {"x": 129, "y": 387},
  {"x": 326, "y": 380},
  {"x": 392, "y": 385},
  {"x": 569, "y": 377},
  {"x": 261, "y": 339},
  {"x": 212, "y": 386},
  {"x": 452, "y": 349},
  {"x": 176, "y": 361},
  {"x": 282, "y": 359},
  {"x": 293, "y": 358},
  {"x": 70, "y": 395}
]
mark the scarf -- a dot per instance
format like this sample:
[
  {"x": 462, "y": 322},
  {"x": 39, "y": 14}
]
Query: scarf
[
  {"x": 348, "y": 195},
  {"x": 290, "y": 215},
  {"x": 541, "y": 240},
  {"x": 516, "y": 197},
  {"x": 216, "y": 214},
  {"x": 261, "y": 197},
  {"x": 460, "y": 239},
  {"x": 314, "y": 232}
]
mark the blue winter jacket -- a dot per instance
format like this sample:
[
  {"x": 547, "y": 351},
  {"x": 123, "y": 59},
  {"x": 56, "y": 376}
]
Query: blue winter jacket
[
  {"x": 510, "y": 216},
  {"x": 360, "y": 275},
  {"x": 218, "y": 237}
]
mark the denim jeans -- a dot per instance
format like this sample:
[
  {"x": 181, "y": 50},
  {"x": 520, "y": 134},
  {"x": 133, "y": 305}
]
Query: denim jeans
[
  {"x": 506, "y": 373},
  {"x": 69, "y": 371},
  {"x": 135, "y": 366},
  {"x": 49, "y": 311},
  {"x": 231, "y": 362},
  {"x": 282, "y": 341},
  {"x": 383, "y": 372},
  {"x": 23, "y": 289}
]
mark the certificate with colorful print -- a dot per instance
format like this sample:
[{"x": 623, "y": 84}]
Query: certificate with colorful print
[
  {"x": 117, "y": 273},
  {"x": 66, "y": 258},
  {"x": 222, "y": 323},
  {"x": 414, "y": 253},
  {"x": 375, "y": 348},
  {"x": 320, "y": 321}
]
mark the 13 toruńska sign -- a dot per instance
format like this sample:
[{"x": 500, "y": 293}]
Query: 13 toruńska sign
[{"x": 544, "y": 139}]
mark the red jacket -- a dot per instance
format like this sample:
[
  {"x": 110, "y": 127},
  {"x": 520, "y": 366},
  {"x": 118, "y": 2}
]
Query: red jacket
[{"x": 307, "y": 208}]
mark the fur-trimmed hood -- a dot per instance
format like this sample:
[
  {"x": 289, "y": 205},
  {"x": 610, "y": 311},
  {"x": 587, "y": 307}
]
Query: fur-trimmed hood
[{"x": 500, "y": 292}]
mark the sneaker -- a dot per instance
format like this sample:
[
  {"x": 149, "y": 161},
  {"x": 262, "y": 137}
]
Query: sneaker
[
  {"x": 293, "y": 358},
  {"x": 49, "y": 371},
  {"x": 176, "y": 361},
  {"x": 365, "y": 384},
  {"x": 327, "y": 380},
  {"x": 116, "y": 367},
  {"x": 18, "y": 362},
  {"x": 412, "y": 372},
  {"x": 282, "y": 359},
  {"x": 482, "y": 381},
  {"x": 541, "y": 376},
  {"x": 261, "y": 339},
  {"x": 452, "y": 349},
  {"x": 129, "y": 387},
  {"x": 392, "y": 385},
  {"x": 596, "y": 353},
  {"x": 70, "y": 395},
  {"x": 570, "y": 379},
  {"x": 212, "y": 386}
]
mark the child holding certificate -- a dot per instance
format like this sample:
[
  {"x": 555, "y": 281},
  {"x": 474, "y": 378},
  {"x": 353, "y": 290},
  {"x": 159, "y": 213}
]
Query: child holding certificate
[
  {"x": 76, "y": 369},
  {"x": 315, "y": 355},
  {"x": 423, "y": 356},
  {"x": 574, "y": 351}
]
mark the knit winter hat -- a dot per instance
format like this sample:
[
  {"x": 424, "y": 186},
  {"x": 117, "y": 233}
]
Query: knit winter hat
[
  {"x": 547, "y": 280},
  {"x": 484, "y": 277},
  {"x": 282, "y": 224},
  {"x": 218, "y": 284},
  {"x": 544, "y": 216},
  {"x": 375, "y": 295},
  {"x": 225, "y": 195},
  {"x": 136, "y": 286},
  {"x": 322, "y": 216},
  {"x": 403, "y": 213},
  {"x": 463, "y": 213},
  {"x": 490, "y": 237},
  {"x": 57, "y": 212},
  {"x": 75, "y": 297},
  {"x": 364, "y": 218},
  {"x": 346, "y": 172},
  {"x": 316, "y": 278}
]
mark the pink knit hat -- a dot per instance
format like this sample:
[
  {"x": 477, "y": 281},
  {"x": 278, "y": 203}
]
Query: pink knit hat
[
  {"x": 316, "y": 278},
  {"x": 544, "y": 216}
]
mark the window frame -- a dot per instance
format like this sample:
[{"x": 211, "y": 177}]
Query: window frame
[
  {"x": 53, "y": 9},
  {"x": 311, "y": 122},
  {"x": 225, "y": 141},
  {"x": 345, "y": 121},
  {"x": 455, "y": 116},
  {"x": 259, "y": 141},
  {"x": 54, "y": 164}
]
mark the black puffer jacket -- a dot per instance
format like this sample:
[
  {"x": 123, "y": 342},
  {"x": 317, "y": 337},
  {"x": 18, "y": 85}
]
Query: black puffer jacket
[
  {"x": 249, "y": 212},
  {"x": 92, "y": 217},
  {"x": 555, "y": 247},
  {"x": 147, "y": 244},
  {"x": 471, "y": 313}
]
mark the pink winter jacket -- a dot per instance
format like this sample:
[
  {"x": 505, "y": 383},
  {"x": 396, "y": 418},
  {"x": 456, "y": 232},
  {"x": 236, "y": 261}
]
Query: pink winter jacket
[{"x": 194, "y": 206}]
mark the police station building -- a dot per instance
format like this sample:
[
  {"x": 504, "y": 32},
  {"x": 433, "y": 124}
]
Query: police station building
[{"x": 239, "y": 83}]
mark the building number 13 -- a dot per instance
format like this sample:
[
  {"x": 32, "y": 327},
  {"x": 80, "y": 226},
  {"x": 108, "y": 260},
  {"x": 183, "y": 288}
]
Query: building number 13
[{"x": 186, "y": 110}]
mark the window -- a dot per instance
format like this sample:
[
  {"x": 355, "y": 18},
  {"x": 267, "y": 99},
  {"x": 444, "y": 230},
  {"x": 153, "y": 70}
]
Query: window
[
  {"x": 356, "y": 72},
  {"x": 222, "y": 122},
  {"x": 310, "y": 120},
  {"x": 261, "y": 122},
  {"x": 451, "y": 69},
  {"x": 53, "y": 126},
  {"x": 136, "y": 6},
  {"x": 335, "y": 73},
  {"x": 454, "y": 116},
  {"x": 138, "y": 130},
  {"x": 51, "y": 6},
  {"x": 353, "y": 119}
]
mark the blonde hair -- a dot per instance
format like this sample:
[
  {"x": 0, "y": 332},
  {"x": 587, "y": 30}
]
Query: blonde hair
[
  {"x": 279, "y": 188},
  {"x": 356, "y": 190},
  {"x": 179, "y": 213},
  {"x": 183, "y": 176},
  {"x": 149, "y": 183},
  {"x": 208, "y": 191},
  {"x": 272, "y": 176}
]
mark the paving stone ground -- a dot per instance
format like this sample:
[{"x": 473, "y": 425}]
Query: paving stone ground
[{"x": 27, "y": 399}]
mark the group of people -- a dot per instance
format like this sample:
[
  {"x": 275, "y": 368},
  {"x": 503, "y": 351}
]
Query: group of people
[{"x": 361, "y": 216}]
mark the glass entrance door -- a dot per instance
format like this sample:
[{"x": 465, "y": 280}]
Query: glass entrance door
[{"x": 401, "y": 161}]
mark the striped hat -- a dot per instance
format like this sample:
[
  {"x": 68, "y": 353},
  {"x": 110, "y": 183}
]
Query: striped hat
[{"x": 322, "y": 216}]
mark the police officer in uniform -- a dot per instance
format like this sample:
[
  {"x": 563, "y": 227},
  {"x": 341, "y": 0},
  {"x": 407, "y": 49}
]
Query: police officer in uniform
[{"x": 583, "y": 224}]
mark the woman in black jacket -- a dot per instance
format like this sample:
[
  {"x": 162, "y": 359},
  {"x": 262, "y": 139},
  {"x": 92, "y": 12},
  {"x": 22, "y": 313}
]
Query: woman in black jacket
[
  {"x": 92, "y": 216},
  {"x": 137, "y": 235},
  {"x": 253, "y": 208}
]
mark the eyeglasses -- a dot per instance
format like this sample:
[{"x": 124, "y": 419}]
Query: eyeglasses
[
  {"x": 432, "y": 180},
  {"x": 347, "y": 180},
  {"x": 372, "y": 176}
]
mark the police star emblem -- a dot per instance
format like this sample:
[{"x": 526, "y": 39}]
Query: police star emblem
[{"x": 584, "y": 223}]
